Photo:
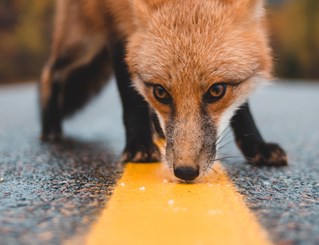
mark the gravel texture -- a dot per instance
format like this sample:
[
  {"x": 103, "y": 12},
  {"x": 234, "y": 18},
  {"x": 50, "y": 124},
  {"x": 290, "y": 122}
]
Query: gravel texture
[{"x": 49, "y": 193}]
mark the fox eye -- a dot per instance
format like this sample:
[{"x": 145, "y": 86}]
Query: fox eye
[
  {"x": 215, "y": 92},
  {"x": 161, "y": 94}
]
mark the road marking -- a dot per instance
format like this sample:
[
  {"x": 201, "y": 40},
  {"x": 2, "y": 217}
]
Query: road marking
[{"x": 147, "y": 209}]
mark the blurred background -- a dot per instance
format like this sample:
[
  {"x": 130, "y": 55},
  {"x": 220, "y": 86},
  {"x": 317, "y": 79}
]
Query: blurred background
[{"x": 26, "y": 29}]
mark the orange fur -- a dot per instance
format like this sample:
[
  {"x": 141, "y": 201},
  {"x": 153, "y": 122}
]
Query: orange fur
[{"x": 184, "y": 45}]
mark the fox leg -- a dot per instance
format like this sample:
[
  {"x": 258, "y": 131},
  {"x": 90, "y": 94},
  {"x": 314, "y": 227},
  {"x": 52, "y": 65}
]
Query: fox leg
[
  {"x": 139, "y": 134},
  {"x": 51, "y": 105},
  {"x": 68, "y": 82},
  {"x": 251, "y": 143}
]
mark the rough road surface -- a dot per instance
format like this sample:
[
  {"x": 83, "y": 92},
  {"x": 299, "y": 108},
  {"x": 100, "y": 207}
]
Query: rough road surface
[{"x": 49, "y": 193}]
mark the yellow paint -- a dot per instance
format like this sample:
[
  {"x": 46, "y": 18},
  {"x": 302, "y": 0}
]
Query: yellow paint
[{"x": 146, "y": 209}]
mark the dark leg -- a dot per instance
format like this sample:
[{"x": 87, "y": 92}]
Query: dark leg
[
  {"x": 251, "y": 143},
  {"x": 62, "y": 97},
  {"x": 51, "y": 114},
  {"x": 76, "y": 70},
  {"x": 139, "y": 142}
]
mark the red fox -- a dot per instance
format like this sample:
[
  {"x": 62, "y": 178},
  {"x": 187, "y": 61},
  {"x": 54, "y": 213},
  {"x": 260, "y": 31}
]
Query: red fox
[{"x": 184, "y": 70}]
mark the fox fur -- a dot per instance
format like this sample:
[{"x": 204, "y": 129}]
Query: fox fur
[{"x": 183, "y": 48}]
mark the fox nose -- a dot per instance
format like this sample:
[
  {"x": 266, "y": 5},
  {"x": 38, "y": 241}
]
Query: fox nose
[{"x": 186, "y": 173}]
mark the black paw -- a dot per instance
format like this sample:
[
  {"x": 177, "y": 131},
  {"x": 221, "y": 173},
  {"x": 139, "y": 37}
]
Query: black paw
[
  {"x": 141, "y": 153},
  {"x": 51, "y": 130},
  {"x": 269, "y": 154},
  {"x": 51, "y": 137}
]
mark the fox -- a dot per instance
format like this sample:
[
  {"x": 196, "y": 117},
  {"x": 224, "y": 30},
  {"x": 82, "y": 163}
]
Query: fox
[{"x": 184, "y": 70}]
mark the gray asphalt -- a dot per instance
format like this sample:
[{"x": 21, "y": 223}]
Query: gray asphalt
[
  {"x": 49, "y": 193},
  {"x": 286, "y": 200}
]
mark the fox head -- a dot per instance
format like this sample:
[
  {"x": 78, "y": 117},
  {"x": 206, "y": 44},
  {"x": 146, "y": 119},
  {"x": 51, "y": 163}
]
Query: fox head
[{"x": 196, "y": 62}]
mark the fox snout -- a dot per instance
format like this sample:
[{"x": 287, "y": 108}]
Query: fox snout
[{"x": 190, "y": 145}]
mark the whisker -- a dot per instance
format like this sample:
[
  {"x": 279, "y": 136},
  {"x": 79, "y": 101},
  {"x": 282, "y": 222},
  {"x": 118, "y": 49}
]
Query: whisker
[
  {"x": 226, "y": 137},
  {"x": 211, "y": 168},
  {"x": 223, "y": 134},
  {"x": 233, "y": 157},
  {"x": 226, "y": 157},
  {"x": 228, "y": 127},
  {"x": 224, "y": 145}
]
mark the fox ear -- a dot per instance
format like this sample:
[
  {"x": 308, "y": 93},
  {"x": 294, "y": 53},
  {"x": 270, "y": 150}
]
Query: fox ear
[
  {"x": 257, "y": 8},
  {"x": 143, "y": 9},
  {"x": 252, "y": 8}
]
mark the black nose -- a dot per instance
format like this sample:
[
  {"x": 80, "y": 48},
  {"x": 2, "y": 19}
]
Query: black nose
[{"x": 186, "y": 173}]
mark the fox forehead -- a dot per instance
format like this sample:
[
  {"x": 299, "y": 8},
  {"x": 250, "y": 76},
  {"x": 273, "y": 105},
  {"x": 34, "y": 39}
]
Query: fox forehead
[
  {"x": 202, "y": 44},
  {"x": 200, "y": 62}
]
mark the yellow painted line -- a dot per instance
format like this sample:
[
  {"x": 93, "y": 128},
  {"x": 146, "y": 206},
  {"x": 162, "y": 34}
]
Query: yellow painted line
[{"x": 145, "y": 209}]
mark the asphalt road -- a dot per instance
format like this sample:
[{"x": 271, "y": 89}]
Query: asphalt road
[{"x": 49, "y": 193}]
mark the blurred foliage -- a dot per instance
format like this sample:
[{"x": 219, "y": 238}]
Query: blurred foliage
[
  {"x": 294, "y": 28},
  {"x": 26, "y": 29},
  {"x": 25, "y": 34}
]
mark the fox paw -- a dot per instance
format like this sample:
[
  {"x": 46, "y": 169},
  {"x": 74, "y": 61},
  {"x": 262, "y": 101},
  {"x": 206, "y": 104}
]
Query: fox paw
[
  {"x": 269, "y": 154},
  {"x": 51, "y": 137},
  {"x": 141, "y": 153}
]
